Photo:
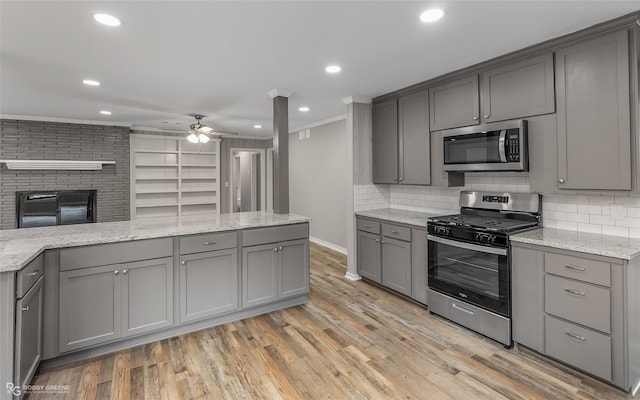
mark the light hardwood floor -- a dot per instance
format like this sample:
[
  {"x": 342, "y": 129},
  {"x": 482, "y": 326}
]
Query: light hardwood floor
[{"x": 352, "y": 340}]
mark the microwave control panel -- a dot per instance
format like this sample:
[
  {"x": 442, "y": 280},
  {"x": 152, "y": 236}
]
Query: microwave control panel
[{"x": 513, "y": 147}]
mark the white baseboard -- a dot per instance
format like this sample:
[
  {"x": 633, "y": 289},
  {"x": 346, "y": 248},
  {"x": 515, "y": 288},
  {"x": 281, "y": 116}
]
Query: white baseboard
[
  {"x": 332, "y": 246},
  {"x": 352, "y": 277}
]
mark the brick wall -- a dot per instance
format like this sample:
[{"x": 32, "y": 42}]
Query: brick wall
[{"x": 21, "y": 139}]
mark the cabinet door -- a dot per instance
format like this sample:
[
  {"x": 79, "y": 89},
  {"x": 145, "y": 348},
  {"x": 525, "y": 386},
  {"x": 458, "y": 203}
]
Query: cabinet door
[
  {"x": 519, "y": 89},
  {"x": 385, "y": 142},
  {"x": 89, "y": 306},
  {"x": 594, "y": 135},
  {"x": 527, "y": 296},
  {"x": 28, "y": 345},
  {"x": 419, "y": 276},
  {"x": 259, "y": 275},
  {"x": 413, "y": 136},
  {"x": 369, "y": 256},
  {"x": 208, "y": 284},
  {"x": 147, "y": 295},
  {"x": 293, "y": 265},
  {"x": 454, "y": 104},
  {"x": 396, "y": 265}
]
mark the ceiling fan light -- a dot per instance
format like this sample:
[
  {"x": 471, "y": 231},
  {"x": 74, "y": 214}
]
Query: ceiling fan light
[
  {"x": 203, "y": 138},
  {"x": 192, "y": 138},
  {"x": 205, "y": 129}
]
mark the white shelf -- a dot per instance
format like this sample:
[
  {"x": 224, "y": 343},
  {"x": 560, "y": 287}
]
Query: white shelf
[
  {"x": 157, "y": 191},
  {"x": 156, "y": 205},
  {"x": 157, "y": 165},
  {"x": 55, "y": 165},
  {"x": 198, "y": 165},
  {"x": 200, "y": 152},
  {"x": 157, "y": 151}
]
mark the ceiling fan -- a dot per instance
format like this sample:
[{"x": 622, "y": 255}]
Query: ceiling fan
[{"x": 199, "y": 132}]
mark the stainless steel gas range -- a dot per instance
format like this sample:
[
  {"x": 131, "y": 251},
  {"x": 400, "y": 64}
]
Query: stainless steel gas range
[{"x": 469, "y": 259}]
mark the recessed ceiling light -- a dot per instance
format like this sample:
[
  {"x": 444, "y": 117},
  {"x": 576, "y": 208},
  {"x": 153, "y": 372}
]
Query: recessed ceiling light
[
  {"x": 303, "y": 109},
  {"x": 257, "y": 126},
  {"x": 105, "y": 112},
  {"x": 90, "y": 82},
  {"x": 106, "y": 19},
  {"x": 431, "y": 15},
  {"x": 333, "y": 69}
]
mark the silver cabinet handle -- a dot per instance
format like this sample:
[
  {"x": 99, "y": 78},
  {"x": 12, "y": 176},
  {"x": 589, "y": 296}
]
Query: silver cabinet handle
[
  {"x": 561, "y": 180},
  {"x": 576, "y": 336},
  {"x": 475, "y": 118},
  {"x": 183, "y": 262},
  {"x": 209, "y": 243},
  {"x": 487, "y": 115},
  {"x": 25, "y": 308},
  {"x": 280, "y": 248},
  {"x": 383, "y": 241},
  {"x": 465, "y": 310},
  {"x": 571, "y": 267},
  {"x": 116, "y": 272},
  {"x": 276, "y": 249},
  {"x": 401, "y": 179},
  {"x": 577, "y": 293},
  {"x": 34, "y": 273},
  {"x": 395, "y": 179},
  {"x": 377, "y": 240},
  {"x": 125, "y": 271}
]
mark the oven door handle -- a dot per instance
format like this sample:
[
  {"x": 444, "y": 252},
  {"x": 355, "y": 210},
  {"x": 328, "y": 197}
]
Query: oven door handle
[
  {"x": 468, "y": 246},
  {"x": 501, "y": 146}
]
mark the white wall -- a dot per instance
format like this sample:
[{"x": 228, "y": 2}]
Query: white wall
[{"x": 318, "y": 183}]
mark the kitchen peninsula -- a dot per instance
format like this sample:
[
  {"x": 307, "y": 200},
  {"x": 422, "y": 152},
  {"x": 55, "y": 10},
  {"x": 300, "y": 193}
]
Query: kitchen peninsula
[{"x": 77, "y": 291}]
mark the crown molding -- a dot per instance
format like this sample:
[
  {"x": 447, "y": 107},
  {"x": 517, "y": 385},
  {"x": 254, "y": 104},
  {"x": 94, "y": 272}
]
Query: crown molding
[
  {"x": 357, "y": 99},
  {"x": 320, "y": 123},
  {"x": 273, "y": 93},
  {"x": 63, "y": 120}
]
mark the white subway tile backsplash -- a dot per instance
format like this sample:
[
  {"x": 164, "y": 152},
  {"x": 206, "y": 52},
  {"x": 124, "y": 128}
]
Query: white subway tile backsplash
[
  {"x": 601, "y": 219},
  {"x": 572, "y": 208},
  {"x": 590, "y": 228},
  {"x": 586, "y": 209},
  {"x": 617, "y": 211},
  {"x": 567, "y": 225},
  {"x": 581, "y": 218},
  {"x": 615, "y": 230}
]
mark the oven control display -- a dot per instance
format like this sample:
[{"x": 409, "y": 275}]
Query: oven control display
[{"x": 495, "y": 199}]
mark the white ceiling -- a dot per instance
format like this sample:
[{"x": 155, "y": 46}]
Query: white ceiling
[{"x": 170, "y": 59}]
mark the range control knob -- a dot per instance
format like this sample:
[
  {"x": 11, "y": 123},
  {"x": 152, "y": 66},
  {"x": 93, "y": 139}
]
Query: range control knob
[
  {"x": 485, "y": 238},
  {"x": 442, "y": 230}
]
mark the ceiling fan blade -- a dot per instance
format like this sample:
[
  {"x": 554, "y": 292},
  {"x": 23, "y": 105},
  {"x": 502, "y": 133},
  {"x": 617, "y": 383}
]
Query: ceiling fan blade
[{"x": 223, "y": 133}]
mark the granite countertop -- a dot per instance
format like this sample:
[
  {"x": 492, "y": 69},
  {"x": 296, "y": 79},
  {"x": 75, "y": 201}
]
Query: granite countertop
[
  {"x": 19, "y": 246},
  {"x": 416, "y": 218},
  {"x": 590, "y": 243}
]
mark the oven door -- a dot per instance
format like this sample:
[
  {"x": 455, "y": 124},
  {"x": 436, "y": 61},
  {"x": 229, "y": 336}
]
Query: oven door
[{"x": 473, "y": 273}]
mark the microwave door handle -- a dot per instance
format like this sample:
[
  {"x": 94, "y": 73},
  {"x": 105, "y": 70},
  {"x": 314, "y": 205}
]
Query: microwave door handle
[
  {"x": 501, "y": 145},
  {"x": 468, "y": 246}
]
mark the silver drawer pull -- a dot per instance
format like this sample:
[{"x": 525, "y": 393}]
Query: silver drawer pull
[
  {"x": 377, "y": 240},
  {"x": 125, "y": 271},
  {"x": 276, "y": 249},
  {"x": 368, "y": 226},
  {"x": 116, "y": 272},
  {"x": 209, "y": 243},
  {"x": 466, "y": 310},
  {"x": 577, "y": 293},
  {"x": 395, "y": 232},
  {"x": 571, "y": 267},
  {"x": 576, "y": 336},
  {"x": 34, "y": 273},
  {"x": 25, "y": 308}
]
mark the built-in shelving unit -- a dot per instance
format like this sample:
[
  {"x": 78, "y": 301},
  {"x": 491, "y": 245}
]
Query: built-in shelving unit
[{"x": 171, "y": 176}]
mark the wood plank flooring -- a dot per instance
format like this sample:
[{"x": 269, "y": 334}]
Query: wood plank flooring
[{"x": 352, "y": 340}]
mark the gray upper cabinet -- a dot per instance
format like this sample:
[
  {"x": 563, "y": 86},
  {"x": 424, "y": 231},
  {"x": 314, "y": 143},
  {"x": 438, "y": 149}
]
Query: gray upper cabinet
[
  {"x": 594, "y": 134},
  {"x": 455, "y": 103},
  {"x": 413, "y": 135},
  {"x": 385, "y": 142},
  {"x": 208, "y": 284},
  {"x": 147, "y": 295},
  {"x": 518, "y": 89}
]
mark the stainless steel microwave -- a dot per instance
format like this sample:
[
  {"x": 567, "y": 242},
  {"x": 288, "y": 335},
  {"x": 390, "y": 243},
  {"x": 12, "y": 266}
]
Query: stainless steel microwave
[{"x": 498, "y": 146}]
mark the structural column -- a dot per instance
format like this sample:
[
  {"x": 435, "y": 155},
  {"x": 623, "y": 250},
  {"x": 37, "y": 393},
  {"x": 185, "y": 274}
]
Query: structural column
[
  {"x": 359, "y": 171},
  {"x": 280, "y": 151}
]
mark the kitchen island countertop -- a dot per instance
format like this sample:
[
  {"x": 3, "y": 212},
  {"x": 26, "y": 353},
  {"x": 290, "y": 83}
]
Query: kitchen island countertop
[
  {"x": 604, "y": 245},
  {"x": 19, "y": 246}
]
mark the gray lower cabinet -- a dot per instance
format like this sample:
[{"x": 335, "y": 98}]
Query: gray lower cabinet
[
  {"x": 208, "y": 284},
  {"x": 274, "y": 271},
  {"x": 594, "y": 131},
  {"x": 394, "y": 256},
  {"x": 28, "y": 334},
  {"x": 101, "y": 304},
  {"x": 577, "y": 308}
]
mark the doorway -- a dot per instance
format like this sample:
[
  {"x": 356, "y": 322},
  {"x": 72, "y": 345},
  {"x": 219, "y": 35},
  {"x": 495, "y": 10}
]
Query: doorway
[{"x": 248, "y": 180}]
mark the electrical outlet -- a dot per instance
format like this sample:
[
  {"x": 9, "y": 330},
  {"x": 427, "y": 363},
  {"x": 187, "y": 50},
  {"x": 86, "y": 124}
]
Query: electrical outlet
[
  {"x": 307, "y": 133},
  {"x": 301, "y": 135},
  {"x": 226, "y": 184}
]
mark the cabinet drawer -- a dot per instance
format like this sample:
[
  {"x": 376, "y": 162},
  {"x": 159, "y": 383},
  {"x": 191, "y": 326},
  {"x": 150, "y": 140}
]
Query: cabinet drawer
[
  {"x": 275, "y": 234},
  {"x": 208, "y": 242},
  {"x": 582, "y": 303},
  {"x": 579, "y": 347},
  {"x": 368, "y": 226},
  {"x": 114, "y": 253},
  {"x": 29, "y": 275},
  {"x": 396, "y": 232},
  {"x": 584, "y": 269}
]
